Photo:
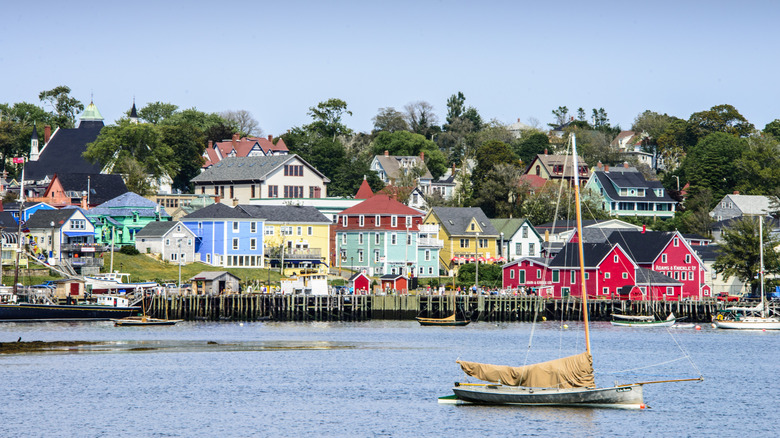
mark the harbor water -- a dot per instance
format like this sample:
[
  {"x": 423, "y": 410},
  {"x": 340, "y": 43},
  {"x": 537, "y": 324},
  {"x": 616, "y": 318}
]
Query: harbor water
[{"x": 366, "y": 379}]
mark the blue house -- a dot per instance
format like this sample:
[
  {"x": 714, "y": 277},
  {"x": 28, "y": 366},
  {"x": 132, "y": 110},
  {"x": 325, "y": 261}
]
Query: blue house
[
  {"x": 226, "y": 236},
  {"x": 29, "y": 209}
]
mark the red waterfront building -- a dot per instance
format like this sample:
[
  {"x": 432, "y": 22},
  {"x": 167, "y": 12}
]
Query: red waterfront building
[{"x": 635, "y": 265}]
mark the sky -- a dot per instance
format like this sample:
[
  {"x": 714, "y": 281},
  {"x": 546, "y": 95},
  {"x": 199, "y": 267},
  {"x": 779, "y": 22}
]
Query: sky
[{"x": 511, "y": 59}]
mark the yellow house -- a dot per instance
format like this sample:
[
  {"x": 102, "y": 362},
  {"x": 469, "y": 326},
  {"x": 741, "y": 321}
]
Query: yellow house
[
  {"x": 467, "y": 234},
  {"x": 294, "y": 236}
]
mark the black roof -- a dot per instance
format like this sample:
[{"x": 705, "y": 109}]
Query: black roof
[
  {"x": 642, "y": 247},
  {"x": 7, "y": 220},
  {"x": 570, "y": 255},
  {"x": 609, "y": 180},
  {"x": 707, "y": 253},
  {"x": 44, "y": 218},
  {"x": 285, "y": 213},
  {"x": 218, "y": 211},
  {"x": 157, "y": 228},
  {"x": 102, "y": 187},
  {"x": 650, "y": 277},
  {"x": 63, "y": 153}
]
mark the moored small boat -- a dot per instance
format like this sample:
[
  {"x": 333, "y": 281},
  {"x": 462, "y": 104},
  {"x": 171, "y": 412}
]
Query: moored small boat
[
  {"x": 143, "y": 320},
  {"x": 448, "y": 321}
]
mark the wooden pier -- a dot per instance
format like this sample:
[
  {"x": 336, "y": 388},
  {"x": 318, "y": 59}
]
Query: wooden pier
[{"x": 258, "y": 307}]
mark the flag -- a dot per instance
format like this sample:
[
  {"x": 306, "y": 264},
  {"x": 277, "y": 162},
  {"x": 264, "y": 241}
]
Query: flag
[{"x": 18, "y": 160}]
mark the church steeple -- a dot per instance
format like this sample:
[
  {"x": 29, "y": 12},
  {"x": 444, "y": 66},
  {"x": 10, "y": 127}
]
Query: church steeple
[
  {"x": 133, "y": 114},
  {"x": 91, "y": 113},
  {"x": 34, "y": 144}
]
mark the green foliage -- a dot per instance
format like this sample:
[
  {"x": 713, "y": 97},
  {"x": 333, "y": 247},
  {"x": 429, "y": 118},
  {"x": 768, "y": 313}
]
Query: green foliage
[
  {"x": 739, "y": 254},
  {"x": 327, "y": 118},
  {"x": 719, "y": 118},
  {"x": 531, "y": 146},
  {"x": 712, "y": 164},
  {"x": 759, "y": 166},
  {"x": 696, "y": 217},
  {"x": 488, "y": 155},
  {"x": 541, "y": 206},
  {"x": 129, "y": 250},
  {"x": 421, "y": 119},
  {"x": 773, "y": 128},
  {"x": 189, "y": 143},
  {"x": 118, "y": 146},
  {"x": 410, "y": 144},
  {"x": 489, "y": 275},
  {"x": 390, "y": 120},
  {"x": 501, "y": 193},
  {"x": 65, "y": 107},
  {"x": 156, "y": 112}
]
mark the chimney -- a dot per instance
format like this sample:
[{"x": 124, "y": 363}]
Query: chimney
[
  {"x": 736, "y": 192},
  {"x": 599, "y": 165},
  {"x": 644, "y": 228},
  {"x": 235, "y": 140},
  {"x": 606, "y": 168},
  {"x": 518, "y": 120},
  {"x": 422, "y": 156},
  {"x": 46, "y": 133},
  {"x": 625, "y": 164},
  {"x": 211, "y": 144},
  {"x": 387, "y": 153},
  {"x": 270, "y": 138},
  {"x": 545, "y": 151},
  {"x": 84, "y": 202},
  {"x": 546, "y": 235},
  {"x": 235, "y": 202}
]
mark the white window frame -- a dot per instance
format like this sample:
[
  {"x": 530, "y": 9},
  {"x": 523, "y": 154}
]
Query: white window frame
[
  {"x": 253, "y": 243},
  {"x": 393, "y": 221},
  {"x": 377, "y": 220},
  {"x": 235, "y": 226},
  {"x": 360, "y": 238},
  {"x": 235, "y": 243},
  {"x": 253, "y": 227},
  {"x": 361, "y": 220}
]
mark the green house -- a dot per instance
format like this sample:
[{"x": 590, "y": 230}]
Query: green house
[{"x": 119, "y": 219}]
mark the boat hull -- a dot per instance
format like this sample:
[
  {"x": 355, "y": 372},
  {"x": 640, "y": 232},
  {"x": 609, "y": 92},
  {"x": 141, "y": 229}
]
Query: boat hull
[
  {"x": 749, "y": 324},
  {"x": 626, "y": 323},
  {"x": 67, "y": 312},
  {"x": 442, "y": 322},
  {"x": 132, "y": 321},
  {"x": 624, "y": 396}
]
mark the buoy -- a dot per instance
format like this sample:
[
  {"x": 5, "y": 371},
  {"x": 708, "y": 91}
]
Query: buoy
[
  {"x": 642, "y": 406},
  {"x": 698, "y": 327},
  {"x": 763, "y": 330},
  {"x": 544, "y": 318},
  {"x": 565, "y": 326},
  {"x": 241, "y": 324}
]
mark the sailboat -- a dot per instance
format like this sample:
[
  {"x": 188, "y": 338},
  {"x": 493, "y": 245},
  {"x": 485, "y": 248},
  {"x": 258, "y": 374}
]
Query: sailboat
[
  {"x": 568, "y": 381},
  {"x": 143, "y": 320},
  {"x": 750, "y": 318}
]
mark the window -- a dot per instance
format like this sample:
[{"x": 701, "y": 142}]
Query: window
[
  {"x": 293, "y": 170},
  {"x": 676, "y": 275},
  {"x": 615, "y": 259},
  {"x": 408, "y": 221},
  {"x": 393, "y": 221},
  {"x": 421, "y": 270},
  {"x": 525, "y": 232},
  {"x": 687, "y": 258},
  {"x": 253, "y": 227},
  {"x": 235, "y": 226},
  {"x": 189, "y": 242},
  {"x": 531, "y": 249},
  {"x": 408, "y": 239},
  {"x": 473, "y": 227},
  {"x": 538, "y": 274},
  {"x": 286, "y": 231},
  {"x": 268, "y": 231},
  {"x": 556, "y": 276},
  {"x": 208, "y": 258},
  {"x": 360, "y": 238},
  {"x": 427, "y": 255},
  {"x": 430, "y": 270},
  {"x": 231, "y": 193},
  {"x": 483, "y": 243},
  {"x": 293, "y": 191},
  {"x": 78, "y": 224},
  {"x": 273, "y": 191},
  {"x": 676, "y": 241},
  {"x": 519, "y": 249},
  {"x": 299, "y": 231},
  {"x": 464, "y": 243},
  {"x": 512, "y": 273},
  {"x": 253, "y": 243},
  {"x": 252, "y": 190},
  {"x": 625, "y": 275},
  {"x": 606, "y": 275},
  {"x": 235, "y": 243},
  {"x": 216, "y": 190},
  {"x": 344, "y": 221},
  {"x": 605, "y": 291},
  {"x": 690, "y": 275},
  {"x": 343, "y": 238},
  {"x": 315, "y": 192},
  {"x": 361, "y": 220},
  {"x": 521, "y": 276},
  {"x": 377, "y": 220},
  {"x": 360, "y": 255},
  {"x": 309, "y": 231},
  {"x": 376, "y": 256},
  {"x": 573, "y": 277},
  {"x": 663, "y": 258},
  {"x": 376, "y": 238},
  {"x": 670, "y": 291},
  {"x": 393, "y": 238},
  {"x": 222, "y": 191},
  {"x": 202, "y": 190},
  {"x": 174, "y": 257},
  {"x": 587, "y": 275},
  {"x": 167, "y": 242}
]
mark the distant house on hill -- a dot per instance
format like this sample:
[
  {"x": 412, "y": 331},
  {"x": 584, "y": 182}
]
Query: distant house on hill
[
  {"x": 242, "y": 147},
  {"x": 736, "y": 206},
  {"x": 557, "y": 168}
]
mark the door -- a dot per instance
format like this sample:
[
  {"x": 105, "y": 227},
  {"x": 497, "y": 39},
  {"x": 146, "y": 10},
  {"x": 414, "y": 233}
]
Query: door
[{"x": 74, "y": 289}]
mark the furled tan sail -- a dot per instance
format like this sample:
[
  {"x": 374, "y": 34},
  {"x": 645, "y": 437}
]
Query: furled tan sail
[{"x": 567, "y": 372}]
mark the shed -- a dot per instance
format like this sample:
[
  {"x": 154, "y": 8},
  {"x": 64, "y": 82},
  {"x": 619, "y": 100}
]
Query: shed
[
  {"x": 395, "y": 282},
  {"x": 360, "y": 283},
  {"x": 215, "y": 283}
]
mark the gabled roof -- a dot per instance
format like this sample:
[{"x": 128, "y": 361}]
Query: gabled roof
[
  {"x": 128, "y": 204},
  {"x": 7, "y": 220},
  {"x": 285, "y": 213},
  {"x": 753, "y": 204},
  {"x": 569, "y": 256},
  {"x": 248, "y": 168},
  {"x": 217, "y": 211},
  {"x": 43, "y": 218},
  {"x": 456, "y": 220},
  {"x": 644, "y": 247},
  {"x": 392, "y": 165},
  {"x": 158, "y": 228},
  {"x": 510, "y": 226},
  {"x": 102, "y": 187},
  {"x": 558, "y": 160},
  {"x": 609, "y": 180},
  {"x": 212, "y": 275},
  {"x": 652, "y": 278},
  {"x": 541, "y": 261},
  {"x": 382, "y": 205},
  {"x": 63, "y": 153},
  {"x": 356, "y": 275},
  {"x": 708, "y": 253}
]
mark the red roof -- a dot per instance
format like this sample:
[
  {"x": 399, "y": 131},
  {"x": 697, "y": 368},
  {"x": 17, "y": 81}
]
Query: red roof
[
  {"x": 382, "y": 205},
  {"x": 535, "y": 181},
  {"x": 364, "y": 192},
  {"x": 242, "y": 148}
]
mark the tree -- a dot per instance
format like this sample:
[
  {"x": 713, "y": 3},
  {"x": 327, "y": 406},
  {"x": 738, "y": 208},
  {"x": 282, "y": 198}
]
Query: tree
[
  {"x": 773, "y": 128},
  {"x": 421, "y": 119},
  {"x": 195, "y": 118},
  {"x": 64, "y": 106},
  {"x": 759, "y": 166},
  {"x": 712, "y": 163},
  {"x": 719, "y": 118},
  {"x": 189, "y": 144},
  {"x": 739, "y": 254},
  {"x": 696, "y": 217},
  {"x": 135, "y": 177},
  {"x": 25, "y": 114},
  {"x": 408, "y": 144},
  {"x": 243, "y": 121},
  {"x": 390, "y": 120},
  {"x": 600, "y": 118},
  {"x": 490, "y": 154},
  {"x": 531, "y": 146},
  {"x": 327, "y": 118},
  {"x": 502, "y": 193},
  {"x": 561, "y": 116},
  {"x": 118, "y": 147},
  {"x": 581, "y": 114},
  {"x": 455, "y": 108},
  {"x": 156, "y": 112}
]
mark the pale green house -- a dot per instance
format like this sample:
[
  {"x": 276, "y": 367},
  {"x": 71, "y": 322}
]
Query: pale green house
[{"x": 119, "y": 219}]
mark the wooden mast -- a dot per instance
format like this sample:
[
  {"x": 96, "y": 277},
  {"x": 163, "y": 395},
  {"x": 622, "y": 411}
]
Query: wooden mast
[{"x": 576, "y": 171}]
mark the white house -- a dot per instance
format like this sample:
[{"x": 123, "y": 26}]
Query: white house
[
  {"x": 518, "y": 238},
  {"x": 172, "y": 240}
]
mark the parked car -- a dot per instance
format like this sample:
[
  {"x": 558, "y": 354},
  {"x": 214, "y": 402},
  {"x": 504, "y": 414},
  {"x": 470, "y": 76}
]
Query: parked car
[{"x": 724, "y": 296}]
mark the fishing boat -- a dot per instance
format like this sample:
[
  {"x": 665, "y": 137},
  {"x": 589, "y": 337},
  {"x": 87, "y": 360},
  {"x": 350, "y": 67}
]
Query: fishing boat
[
  {"x": 568, "y": 381},
  {"x": 442, "y": 322},
  {"x": 642, "y": 321},
  {"x": 758, "y": 317}
]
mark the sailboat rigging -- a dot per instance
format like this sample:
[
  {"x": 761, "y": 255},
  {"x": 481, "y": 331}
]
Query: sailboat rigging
[{"x": 568, "y": 381}]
